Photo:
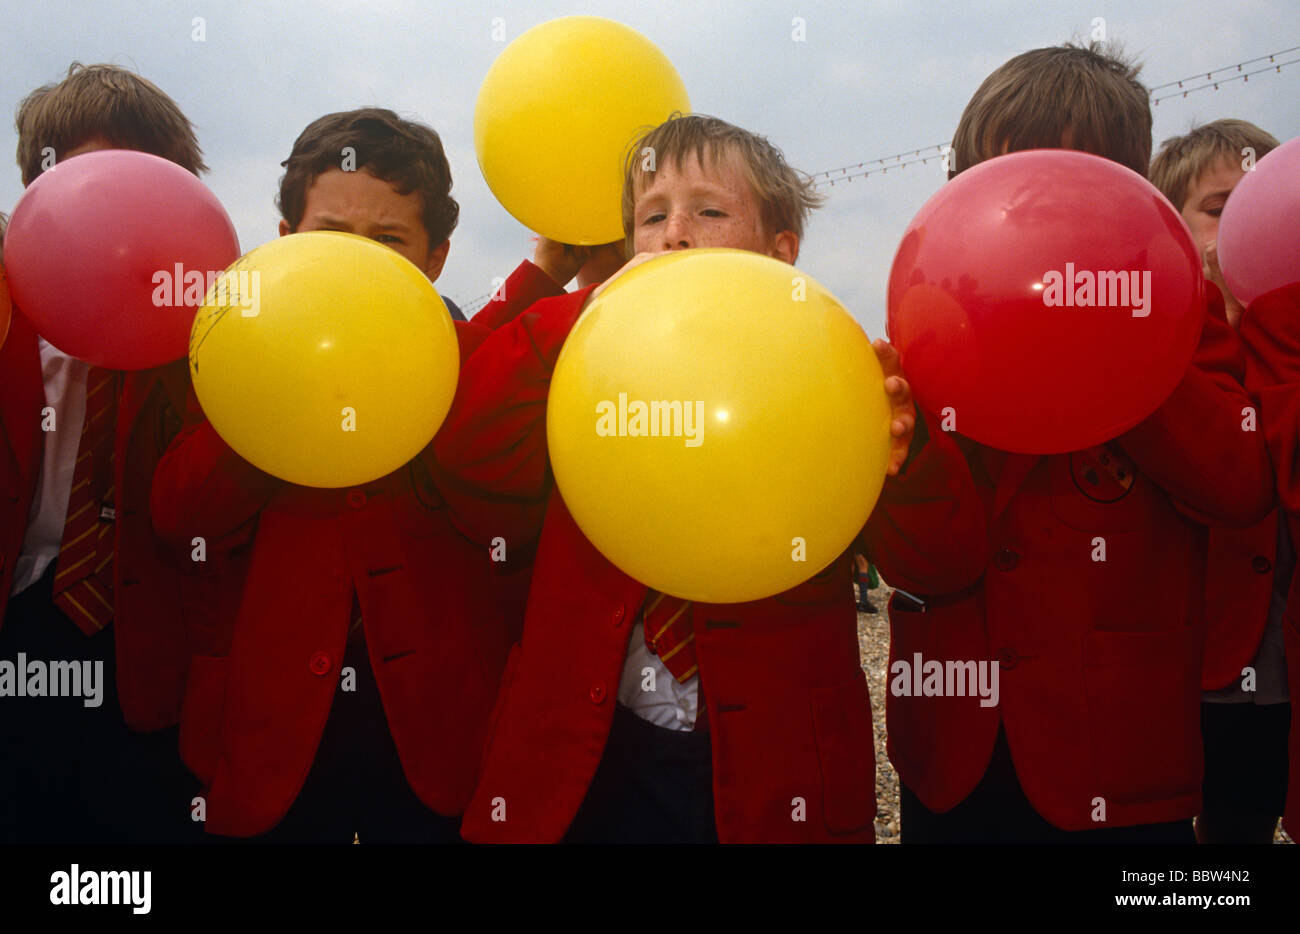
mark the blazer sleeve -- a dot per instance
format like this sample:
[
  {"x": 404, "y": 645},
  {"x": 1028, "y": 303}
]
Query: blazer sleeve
[
  {"x": 1270, "y": 331},
  {"x": 202, "y": 488},
  {"x": 526, "y": 285},
  {"x": 490, "y": 457},
  {"x": 1200, "y": 446},
  {"x": 928, "y": 533}
]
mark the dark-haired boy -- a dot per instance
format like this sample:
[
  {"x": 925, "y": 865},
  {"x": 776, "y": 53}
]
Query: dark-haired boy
[
  {"x": 75, "y": 439},
  {"x": 349, "y": 681},
  {"x": 1096, "y": 735}
]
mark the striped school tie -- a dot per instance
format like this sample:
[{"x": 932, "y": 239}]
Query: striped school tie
[
  {"x": 83, "y": 579},
  {"x": 670, "y": 635}
]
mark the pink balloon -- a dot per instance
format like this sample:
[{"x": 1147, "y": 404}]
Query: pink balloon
[
  {"x": 106, "y": 253},
  {"x": 1259, "y": 233}
]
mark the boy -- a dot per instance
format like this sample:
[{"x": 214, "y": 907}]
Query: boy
[
  {"x": 1095, "y": 736},
  {"x": 759, "y": 726},
  {"x": 1249, "y": 571},
  {"x": 355, "y": 662},
  {"x": 78, "y": 772}
]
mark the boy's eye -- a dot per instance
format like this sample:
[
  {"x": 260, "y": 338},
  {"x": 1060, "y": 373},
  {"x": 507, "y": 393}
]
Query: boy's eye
[
  {"x": 388, "y": 238},
  {"x": 1214, "y": 212},
  {"x": 652, "y": 219},
  {"x": 713, "y": 212}
]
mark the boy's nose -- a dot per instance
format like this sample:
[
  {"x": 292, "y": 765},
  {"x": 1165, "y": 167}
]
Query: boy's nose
[{"x": 678, "y": 234}]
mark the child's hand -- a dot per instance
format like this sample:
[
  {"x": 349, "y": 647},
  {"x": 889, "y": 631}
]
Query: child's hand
[
  {"x": 563, "y": 261},
  {"x": 1210, "y": 260},
  {"x": 630, "y": 264},
  {"x": 903, "y": 422},
  {"x": 603, "y": 262},
  {"x": 560, "y": 261}
]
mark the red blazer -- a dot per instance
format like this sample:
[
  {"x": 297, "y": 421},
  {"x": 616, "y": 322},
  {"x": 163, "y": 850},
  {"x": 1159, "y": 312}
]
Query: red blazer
[
  {"x": 1238, "y": 594},
  {"x": 1270, "y": 329},
  {"x": 787, "y": 702},
  {"x": 1100, "y": 661},
  {"x": 274, "y": 600},
  {"x": 151, "y": 650}
]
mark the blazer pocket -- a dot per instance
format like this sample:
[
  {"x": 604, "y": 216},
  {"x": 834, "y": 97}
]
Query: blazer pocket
[
  {"x": 201, "y": 714},
  {"x": 1143, "y": 692},
  {"x": 847, "y": 754}
]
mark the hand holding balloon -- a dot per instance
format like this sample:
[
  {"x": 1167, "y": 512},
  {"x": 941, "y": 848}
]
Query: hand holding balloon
[
  {"x": 563, "y": 261},
  {"x": 902, "y": 424}
]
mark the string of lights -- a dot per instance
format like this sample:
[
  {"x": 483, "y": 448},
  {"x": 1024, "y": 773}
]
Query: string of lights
[{"x": 1211, "y": 79}]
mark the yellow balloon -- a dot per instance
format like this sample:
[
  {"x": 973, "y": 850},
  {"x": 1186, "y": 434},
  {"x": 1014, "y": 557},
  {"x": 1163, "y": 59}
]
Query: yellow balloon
[
  {"x": 555, "y": 116},
  {"x": 324, "y": 358},
  {"x": 718, "y": 425}
]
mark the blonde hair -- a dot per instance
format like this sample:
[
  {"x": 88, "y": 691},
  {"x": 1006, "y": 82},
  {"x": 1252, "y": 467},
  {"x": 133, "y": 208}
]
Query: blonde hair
[
  {"x": 1065, "y": 96},
  {"x": 785, "y": 196},
  {"x": 1182, "y": 159},
  {"x": 126, "y": 110}
]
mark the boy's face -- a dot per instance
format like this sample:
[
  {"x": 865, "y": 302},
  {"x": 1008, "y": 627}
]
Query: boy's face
[
  {"x": 1206, "y": 197},
  {"x": 363, "y": 204},
  {"x": 1201, "y": 209},
  {"x": 687, "y": 206}
]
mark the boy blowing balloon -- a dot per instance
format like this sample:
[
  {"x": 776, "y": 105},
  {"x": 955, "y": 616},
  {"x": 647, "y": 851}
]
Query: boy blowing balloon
[
  {"x": 759, "y": 724},
  {"x": 1096, "y": 734},
  {"x": 84, "y": 576},
  {"x": 1245, "y": 709},
  {"x": 357, "y": 637}
]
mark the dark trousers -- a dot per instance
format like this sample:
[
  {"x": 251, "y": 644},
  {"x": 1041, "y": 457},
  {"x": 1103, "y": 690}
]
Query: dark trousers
[
  {"x": 76, "y": 774},
  {"x": 997, "y": 811},
  {"x": 356, "y": 784},
  {"x": 653, "y": 785},
  {"x": 1246, "y": 765}
]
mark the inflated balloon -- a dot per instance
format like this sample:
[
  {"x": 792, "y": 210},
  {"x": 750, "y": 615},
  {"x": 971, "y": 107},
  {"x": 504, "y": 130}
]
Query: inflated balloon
[
  {"x": 325, "y": 359},
  {"x": 718, "y": 425},
  {"x": 556, "y": 115},
  {"x": 110, "y": 253},
  {"x": 1259, "y": 236},
  {"x": 1045, "y": 301},
  {"x": 6, "y": 307}
]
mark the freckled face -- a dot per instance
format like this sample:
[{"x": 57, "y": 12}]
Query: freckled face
[{"x": 690, "y": 205}]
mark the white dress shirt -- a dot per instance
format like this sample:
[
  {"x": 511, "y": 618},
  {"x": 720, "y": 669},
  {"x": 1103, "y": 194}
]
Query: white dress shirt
[
  {"x": 670, "y": 704},
  {"x": 65, "y": 391}
]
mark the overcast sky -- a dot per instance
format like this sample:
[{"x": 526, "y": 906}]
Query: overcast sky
[{"x": 871, "y": 79}]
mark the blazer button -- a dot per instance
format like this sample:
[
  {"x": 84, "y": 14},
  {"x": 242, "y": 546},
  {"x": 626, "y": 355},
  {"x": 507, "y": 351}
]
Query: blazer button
[
  {"x": 618, "y": 617},
  {"x": 319, "y": 664},
  {"x": 1006, "y": 559},
  {"x": 598, "y": 692},
  {"x": 1261, "y": 565},
  {"x": 1008, "y": 658},
  {"x": 356, "y": 498}
]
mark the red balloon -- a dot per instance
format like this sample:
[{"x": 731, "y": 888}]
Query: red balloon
[
  {"x": 109, "y": 254},
  {"x": 6, "y": 308},
  {"x": 1045, "y": 301}
]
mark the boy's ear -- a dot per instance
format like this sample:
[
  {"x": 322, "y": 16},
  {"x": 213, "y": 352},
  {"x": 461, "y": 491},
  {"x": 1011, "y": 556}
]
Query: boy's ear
[
  {"x": 785, "y": 247},
  {"x": 284, "y": 228},
  {"x": 437, "y": 258}
]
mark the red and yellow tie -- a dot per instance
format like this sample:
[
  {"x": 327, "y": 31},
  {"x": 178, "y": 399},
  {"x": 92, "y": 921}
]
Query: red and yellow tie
[
  {"x": 670, "y": 635},
  {"x": 83, "y": 580}
]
